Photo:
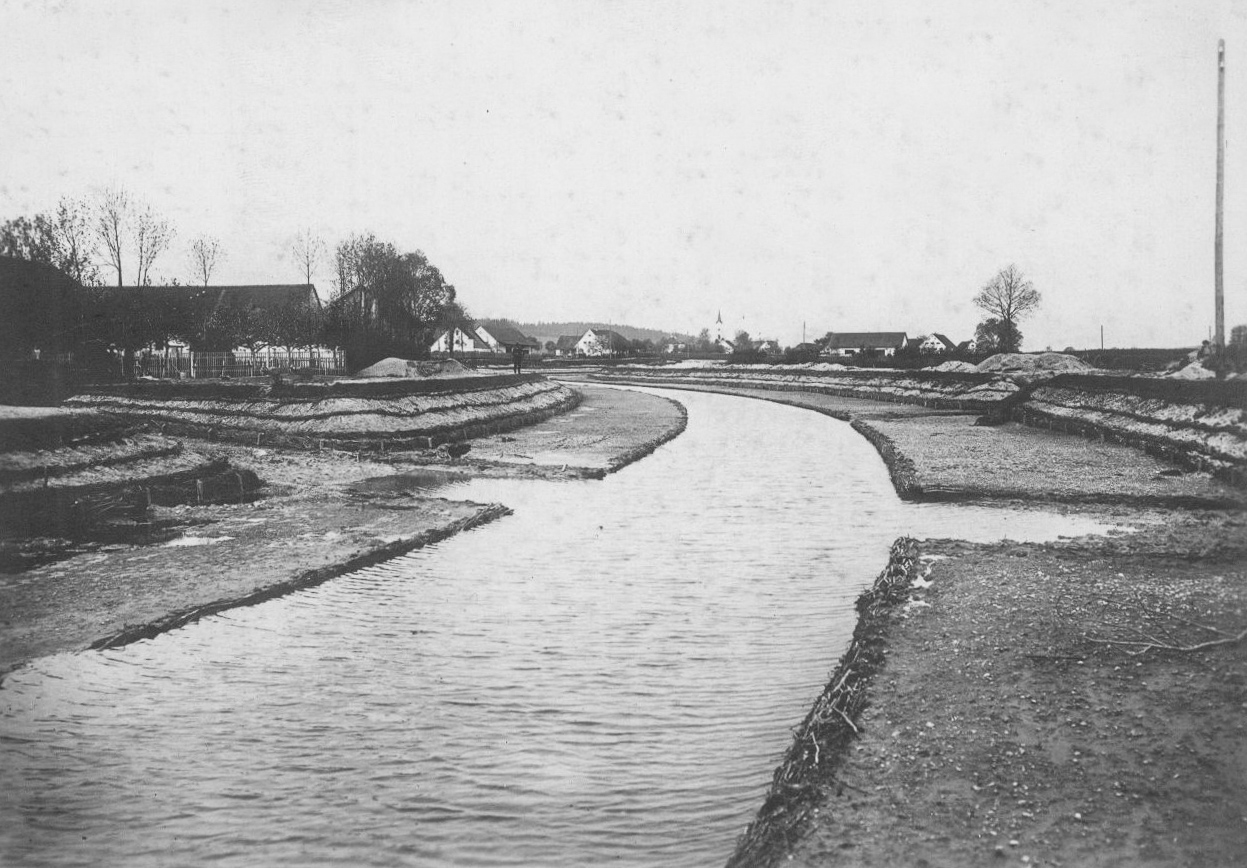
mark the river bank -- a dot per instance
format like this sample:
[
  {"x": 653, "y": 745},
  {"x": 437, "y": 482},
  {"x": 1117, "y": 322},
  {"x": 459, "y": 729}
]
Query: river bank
[{"x": 313, "y": 521}]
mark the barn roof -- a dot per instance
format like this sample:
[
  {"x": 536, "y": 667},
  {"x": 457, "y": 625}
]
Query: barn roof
[{"x": 869, "y": 340}]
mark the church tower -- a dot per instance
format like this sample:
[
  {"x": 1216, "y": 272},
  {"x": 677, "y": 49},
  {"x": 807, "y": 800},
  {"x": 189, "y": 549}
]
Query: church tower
[{"x": 718, "y": 329}]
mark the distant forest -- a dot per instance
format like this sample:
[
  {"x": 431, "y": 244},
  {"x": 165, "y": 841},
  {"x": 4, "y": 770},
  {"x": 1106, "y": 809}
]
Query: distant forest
[{"x": 551, "y": 331}]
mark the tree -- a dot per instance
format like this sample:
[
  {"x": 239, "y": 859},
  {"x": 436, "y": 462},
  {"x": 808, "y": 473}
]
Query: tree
[
  {"x": 993, "y": 336},
  {"x": 126, "y": 227},
  {"x": 205, "y": 251},
  {"x": 110, "y": 222},
  {"x": 152, "y": 236},
  {"x": 387, "y": 303},
  {"x": 61, "y": 238},
  {"x": 308, "y": 251},
  {"x": 703, "y": 343},
  {"x": 550, "y": 347},
  {"x": 743, "y": 342},
  {"x": 1008, "y": 297}
]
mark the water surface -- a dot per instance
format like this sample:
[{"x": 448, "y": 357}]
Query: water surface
[{"x": 608, "y": 676}]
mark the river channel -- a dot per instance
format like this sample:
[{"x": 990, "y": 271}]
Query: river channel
[{"x": 608, "y": 676}]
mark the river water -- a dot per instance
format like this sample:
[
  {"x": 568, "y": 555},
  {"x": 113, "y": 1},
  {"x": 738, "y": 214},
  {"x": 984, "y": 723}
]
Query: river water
[{"x": 608, "y": 676}]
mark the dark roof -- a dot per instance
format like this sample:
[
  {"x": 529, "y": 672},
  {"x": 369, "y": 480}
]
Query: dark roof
[
  {"x": 612, "y": 339},
  {"x": 566, "y": 342},
  {"x": 508, "y": 335},
  {"x": 942, "y": 339},
  {"x": 865, "y": 340},
  {"x": 206, "y": 299}
]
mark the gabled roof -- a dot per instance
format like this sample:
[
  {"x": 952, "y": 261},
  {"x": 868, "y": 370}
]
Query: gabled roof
[
  {"x": 611, "y": 339},
  {"x": 469, "y": 331},
  {"x": 865, "y": 340},
  {"x": 566, "y": 342},
  {"x": 508, "y": 335},
  {"x": 943, "y": 339}
]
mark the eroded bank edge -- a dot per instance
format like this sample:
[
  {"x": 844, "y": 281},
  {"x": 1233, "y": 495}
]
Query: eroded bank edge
[{"x": 821, "y": 742}]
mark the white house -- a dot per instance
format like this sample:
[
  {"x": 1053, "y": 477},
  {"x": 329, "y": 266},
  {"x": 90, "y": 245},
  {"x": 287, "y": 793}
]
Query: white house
[
  {"x": 934, "y": 343},
  {"x": 602, "y": 342},
  {"x": 460, "y": 340}
]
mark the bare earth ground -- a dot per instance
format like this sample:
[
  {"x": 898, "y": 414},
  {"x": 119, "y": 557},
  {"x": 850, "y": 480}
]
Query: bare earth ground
[
  {"x": 1025, "y": 715},
  {"x": 308, "y": 528}
]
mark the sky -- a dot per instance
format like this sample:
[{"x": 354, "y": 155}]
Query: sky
[{"x": 800, "y": 167}]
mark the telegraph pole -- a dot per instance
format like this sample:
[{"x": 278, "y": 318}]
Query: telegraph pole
[{"x": 1219, "y": 256}]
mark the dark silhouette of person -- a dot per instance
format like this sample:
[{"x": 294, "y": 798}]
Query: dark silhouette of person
[{"x": 517, "y": 358}]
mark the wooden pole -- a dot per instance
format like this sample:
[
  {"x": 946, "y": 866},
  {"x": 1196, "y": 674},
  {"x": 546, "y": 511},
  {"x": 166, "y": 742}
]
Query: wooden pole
[{"x": 1219, "y": 256}]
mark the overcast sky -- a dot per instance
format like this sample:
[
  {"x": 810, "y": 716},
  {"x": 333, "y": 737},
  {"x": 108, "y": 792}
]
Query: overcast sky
[{"x": 846, "y": 165}]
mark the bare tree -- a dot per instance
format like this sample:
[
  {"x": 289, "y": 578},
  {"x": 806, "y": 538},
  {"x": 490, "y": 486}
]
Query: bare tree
[
  {"x": 309, "y": 251},
  {"x": 1008, "y": 297},
  {"x": 126, "y": 227},
  {"x": 152, "y": 236},
  {"x": 111, "y": 222},
  {"x": 205, "y": 252}
]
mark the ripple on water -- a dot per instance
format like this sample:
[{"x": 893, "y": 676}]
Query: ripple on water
[{"x": 608, "y": 675}]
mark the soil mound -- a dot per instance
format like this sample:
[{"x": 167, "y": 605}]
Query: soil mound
[
  {"x": 444, "y": 369},
  {"x": 1028, "y": 362},
  {"x": 960, "y": 367},
  {"x": 1194, "y": 371}
]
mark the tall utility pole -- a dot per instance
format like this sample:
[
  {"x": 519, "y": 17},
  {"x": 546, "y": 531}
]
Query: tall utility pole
[{"x": 1218, "y": 255}]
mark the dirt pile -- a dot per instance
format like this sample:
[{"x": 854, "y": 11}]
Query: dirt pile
[
  {"x": 444, "y": 369},
  {"x": 1029, "y": 363}
]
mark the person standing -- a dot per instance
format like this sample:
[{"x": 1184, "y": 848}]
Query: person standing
[{"x": 517, "y": 357}]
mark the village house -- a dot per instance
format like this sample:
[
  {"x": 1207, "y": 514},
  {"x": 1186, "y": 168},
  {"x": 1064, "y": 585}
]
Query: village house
[
  {"x": 602, "y": 342},
  {"x": 461, "y": 340},
  {"x": 566, "y": 345},
  {"x": 855, "y": 343},
  {"x": 483, "y": 339},
  {"x": 933, "y": 343},
  {"x": 503, "y": 338}
]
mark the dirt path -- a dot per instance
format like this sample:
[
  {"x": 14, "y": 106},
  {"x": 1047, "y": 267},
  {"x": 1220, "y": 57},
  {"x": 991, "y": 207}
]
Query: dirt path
[{"x": 310, "y": 527}]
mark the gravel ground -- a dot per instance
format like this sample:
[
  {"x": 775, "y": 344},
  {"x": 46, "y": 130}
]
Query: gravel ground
[{"x": 308, "y": 527}]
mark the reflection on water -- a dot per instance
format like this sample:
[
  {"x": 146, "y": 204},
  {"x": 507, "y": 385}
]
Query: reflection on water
[{"x": 607, "y": 676}]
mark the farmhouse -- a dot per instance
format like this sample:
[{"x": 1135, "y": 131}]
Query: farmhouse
[
  {"x": 461, "y": 339},
  {"x": 602, "y": 342},
  {"x": 933, "y": 343},
  {"x": 856, "y": 343},
  {"x": 502, "y": 337}
]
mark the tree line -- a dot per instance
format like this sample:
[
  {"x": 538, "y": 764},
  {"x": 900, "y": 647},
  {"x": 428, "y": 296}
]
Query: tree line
[{"x": 384, "y": 301}]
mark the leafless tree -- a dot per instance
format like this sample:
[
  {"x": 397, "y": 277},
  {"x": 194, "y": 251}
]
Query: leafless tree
[
  {"x": 126, "y": 227},
  {"x": 111, "y": 222},
  {"x": 205, "y": 252},
  {"x": 152, "y": 236},
  {"x": 1008, "y": 297},
  {"x": 309, "y": 251}
]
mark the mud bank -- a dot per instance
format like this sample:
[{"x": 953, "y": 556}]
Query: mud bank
[
  {"x": 373, "y": 415},
  {"x": 313, "y": 521}
]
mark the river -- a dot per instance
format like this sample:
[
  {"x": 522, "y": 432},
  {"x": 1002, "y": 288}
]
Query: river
[{"x": 608, "y": 676}]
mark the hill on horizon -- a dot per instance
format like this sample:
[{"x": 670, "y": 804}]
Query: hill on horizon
[{"x": 551, "y": 331}]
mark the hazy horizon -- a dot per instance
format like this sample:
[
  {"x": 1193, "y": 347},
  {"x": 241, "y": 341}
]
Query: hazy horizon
[{"x": 850, "y": 166}]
